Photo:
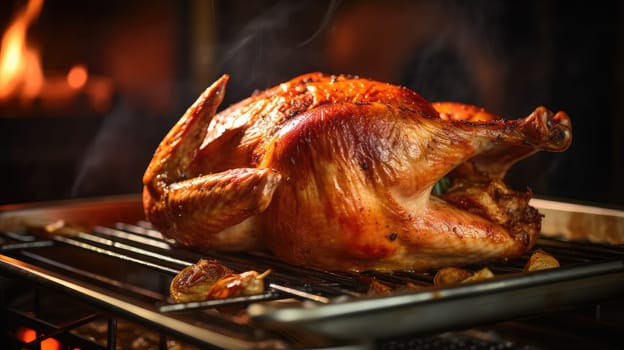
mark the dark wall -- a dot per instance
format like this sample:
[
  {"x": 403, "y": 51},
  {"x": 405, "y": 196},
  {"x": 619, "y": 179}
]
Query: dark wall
[{"x": 507, "y": 56}]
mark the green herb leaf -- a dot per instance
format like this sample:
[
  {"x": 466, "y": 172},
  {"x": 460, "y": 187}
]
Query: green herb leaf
[{"x": 441, "y": 187}]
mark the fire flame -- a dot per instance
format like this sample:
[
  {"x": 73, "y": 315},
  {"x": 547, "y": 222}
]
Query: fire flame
[
  {"x": 22, "y": 78},
  {"x": 20, "y": 67}
]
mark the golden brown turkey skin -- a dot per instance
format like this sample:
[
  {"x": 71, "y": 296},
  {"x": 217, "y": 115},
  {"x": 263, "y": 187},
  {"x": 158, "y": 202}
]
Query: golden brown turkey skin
[{"x": 336, "y": 173}]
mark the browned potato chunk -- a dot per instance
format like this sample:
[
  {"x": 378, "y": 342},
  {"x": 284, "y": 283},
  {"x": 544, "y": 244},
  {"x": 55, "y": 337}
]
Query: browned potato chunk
[
  {"x": 450, "y": 275},
  {"x": 378, "y": 288},
  {"x": 480, "y": 275},
  {"x": 540, "y": 260},
  {"x": 453, "y": 275}
]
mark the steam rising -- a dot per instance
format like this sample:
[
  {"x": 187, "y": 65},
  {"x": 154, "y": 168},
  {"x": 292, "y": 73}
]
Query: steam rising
[{"x": 275, "y": 44}]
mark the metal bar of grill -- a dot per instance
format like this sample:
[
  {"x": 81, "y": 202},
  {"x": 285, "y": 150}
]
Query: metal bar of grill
[{"x": 124, "y": 269}]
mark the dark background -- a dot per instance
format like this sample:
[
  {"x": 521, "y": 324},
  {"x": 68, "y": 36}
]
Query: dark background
[{"x": 507, "y": 56}]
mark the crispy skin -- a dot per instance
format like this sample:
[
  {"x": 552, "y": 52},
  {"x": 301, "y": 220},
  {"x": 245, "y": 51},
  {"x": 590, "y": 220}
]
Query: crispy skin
[{"x": 336, "y": 173}]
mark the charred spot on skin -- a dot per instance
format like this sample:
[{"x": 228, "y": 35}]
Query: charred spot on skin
[
  {"x": 392, "y": 236},
  {"x": 297, "y": 106},
  {"x": 364, "y": 166},
  {"x": 403, "y": 108},
  {"x": 557, "y": 135},
  {"x": 256, "y": 158},
  {"x": 432, "y": 144},
  {"x": 178, "y": 210}
]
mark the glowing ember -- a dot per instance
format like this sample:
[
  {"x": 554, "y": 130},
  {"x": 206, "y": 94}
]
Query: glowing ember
[
  {"x": 20, "y": 69},
  {"x": 77, "y": 76},
  {"x": 27, "y": 335}
]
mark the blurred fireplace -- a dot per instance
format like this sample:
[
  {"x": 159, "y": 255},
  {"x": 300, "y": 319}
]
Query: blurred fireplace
[{"x": 91, "y": 95}]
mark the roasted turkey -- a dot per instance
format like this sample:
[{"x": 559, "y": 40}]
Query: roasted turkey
[{"x": 337, "y": 172}]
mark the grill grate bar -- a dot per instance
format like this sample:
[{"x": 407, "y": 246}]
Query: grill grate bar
[
  {"x": 301, "y": 294},
  {"x": 143, "y": 228},
  {"x": 25, "y": 245},
  {"x": 93, "y": 276},
  {"x": 209, "y": 304},
  {"x": 110, "y": 253},
  {"x": 18, "y": 236},
  {"x": 144, "y": 240},
  {"x": 137, "y": 250}
]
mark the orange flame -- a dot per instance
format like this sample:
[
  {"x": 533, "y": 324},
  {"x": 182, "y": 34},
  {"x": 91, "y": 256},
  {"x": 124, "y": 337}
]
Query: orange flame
[{"x": 20, "y": 68}]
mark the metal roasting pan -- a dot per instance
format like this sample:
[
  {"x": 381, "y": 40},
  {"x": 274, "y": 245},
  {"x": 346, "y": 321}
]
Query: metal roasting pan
[
  {"x": 451, "y": 308},
  {"x": 502, "y": 298}
]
